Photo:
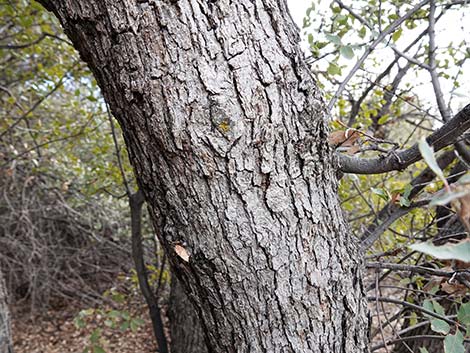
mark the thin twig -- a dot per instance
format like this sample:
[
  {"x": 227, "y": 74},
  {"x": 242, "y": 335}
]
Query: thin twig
[{"x": 390, "y": 29}]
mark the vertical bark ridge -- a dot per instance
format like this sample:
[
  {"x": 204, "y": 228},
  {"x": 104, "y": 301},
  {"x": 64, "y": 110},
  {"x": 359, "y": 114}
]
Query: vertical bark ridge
[
  {"x": 226, "y": 130},
  {"x": 187, "y": 335}
]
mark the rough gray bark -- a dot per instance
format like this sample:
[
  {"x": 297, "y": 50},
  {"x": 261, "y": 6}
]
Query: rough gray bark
[
  {"x": 226, "y": 131},
  {"x": 186, "y": 332},
  {"x": 6, "y": 344}
]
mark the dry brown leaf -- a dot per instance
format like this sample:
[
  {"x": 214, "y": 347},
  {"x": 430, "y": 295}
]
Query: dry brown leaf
[
  {"x": 408, "y": 98},
  {"x": 336, "y": 137},
  {"x": 345, "y": 138},
  {"x": 395, "y": 197},
  {"x": 461, "y": 205},
  {"x": 182, "y": 252},
  {"x": 454, "y": 288},
  {"x": 461, "y": 265}
]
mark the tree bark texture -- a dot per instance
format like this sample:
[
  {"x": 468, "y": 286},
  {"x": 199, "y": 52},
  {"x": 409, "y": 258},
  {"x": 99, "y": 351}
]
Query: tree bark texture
[
  {"x": 226, "y": 130},
  {"x": 186, "y": 332},
  {"x": 6, "y": 344}
]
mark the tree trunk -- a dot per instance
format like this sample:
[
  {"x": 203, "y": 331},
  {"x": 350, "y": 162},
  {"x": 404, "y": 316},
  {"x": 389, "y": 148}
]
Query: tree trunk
[
  {"x": 226, "y": 130},
  {"x": 6, "y": 345},
  {"x": 186, "y": 332},
  {"x": 136, "y": 201}
]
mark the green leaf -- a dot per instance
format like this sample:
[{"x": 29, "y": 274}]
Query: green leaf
[
  {"x": 381, "y": 193},
  {"x": 428, "y": 154},
  {"x": 79, "y": 322},
  {"x": 333, "y": 38},
  {"x": 134, "y": 326},
  {"x": 443, "y": 198},
  {"x": 397, "y": 34},
  {"x": 87, "y": 312},
  {"x": 138, "y": 321},
  {"x": 459, "y": 251},
  {"x": 433, "y": 290},
  {"x": 438, "y": 308},
  {"x": 404, "y": 198},
  {"x": 95, "y": 335},
  {"x": 362, "y": 32},
  {"x": 428, "y": 306},
  {"x": 311, "y": 8},
  {"x": 333, "y": 69},
  {"x": 463, "y": 314},
  {"x": 440, "y": 326},
  {"x": 98, "y": 349},
  {"x": 413, "y": 318},
  {"x": 342, "y": 19},
  {"x": 125, "y": 315},
  {"x": 423, "y": 350},
  {"x": 310, "y": 38},
  {"x": 336, "y": 9},
  {"x": 454, "y": 343},
  {"x": 124, "y": 326},
  {"x": 383, "y": 119},
  {"x": 347, "y": 52},
  {"x": 114, "y": 314},
  {"x": 118, "y": 297}
]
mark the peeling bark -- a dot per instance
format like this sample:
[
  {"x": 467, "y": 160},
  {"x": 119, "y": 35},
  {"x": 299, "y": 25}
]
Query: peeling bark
[{"x": 226, "y": 132}]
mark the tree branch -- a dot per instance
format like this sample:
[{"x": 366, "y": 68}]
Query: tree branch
[
  {"x": 443, "y": 109},
  {"x": 390, "y": 29},
  {"x": 443, "y": 137},
  {"x": 408, "y": 338},
  {"x": 392, "y": 212},
  {"x": 136, "y": 201},
  {"x": 411, "y": 268},
  {"x": 380, "y": 229},
  {"x": 415, "y": 307}
]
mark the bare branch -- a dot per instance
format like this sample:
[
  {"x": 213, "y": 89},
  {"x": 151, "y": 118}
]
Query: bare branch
[
  {"x": 22, "y": 46},
  {"x": 390, "y": 29},
  {"x": 391, "y": 212},
  {"x": 354, "y": 14},
  {"x": 415, "y": 307},
  {"x": 415, "y": 269},
  {"x": 443, "y": 137},
  {"x": 356, "y": 106},
  {"x": 443, "y": 109},
  {"x": 117, "y": 150},
  {"x": 409, "y": 58},
  {"x": 408, "y": 338}
]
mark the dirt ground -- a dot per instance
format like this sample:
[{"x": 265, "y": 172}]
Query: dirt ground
[{"x": 54, "y": 331}]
